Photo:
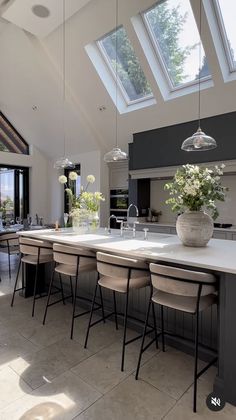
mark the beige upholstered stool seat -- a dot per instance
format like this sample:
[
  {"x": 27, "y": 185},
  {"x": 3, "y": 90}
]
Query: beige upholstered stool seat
[
  {"x": 70, "y": 270},
  {"x": 11, "y": 239},
  {"x": 186, "y": 291},
  {"x": 33, "y": 252},
  {"x": 177, "y": 288},
  {"x": 9, "y": 244},
  {"x": 70, "y": 261},
  {"x": 120, "y": 285},
  {"x": 114, "y": 272},
  {"x": 119, "y": 275},
  {"x": 33, "y": 259},
  {"x": 183, "y": 303}
]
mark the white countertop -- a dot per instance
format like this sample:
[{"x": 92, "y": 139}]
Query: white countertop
[{"x": 219, "y": 255}]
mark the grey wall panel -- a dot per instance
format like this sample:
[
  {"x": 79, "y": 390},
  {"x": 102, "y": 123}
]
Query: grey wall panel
[{"x": 162, "y": 146}]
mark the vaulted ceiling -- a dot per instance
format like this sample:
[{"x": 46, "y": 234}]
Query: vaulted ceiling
[{"x": 31, "y": 82}]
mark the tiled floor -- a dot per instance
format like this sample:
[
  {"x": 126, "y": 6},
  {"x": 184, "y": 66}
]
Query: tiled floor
[{"x": 45, "y": 375}]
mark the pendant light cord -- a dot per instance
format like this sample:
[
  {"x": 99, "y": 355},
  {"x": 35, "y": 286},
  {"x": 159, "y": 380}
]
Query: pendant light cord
[
  {"x": 64, "y": 74},
  {"x": 200, "y": 62},
  {"x": 116, "y": 121}
]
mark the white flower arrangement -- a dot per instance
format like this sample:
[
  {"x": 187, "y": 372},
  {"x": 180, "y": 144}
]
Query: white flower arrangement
[
  {"x": 195, "y": 188},
  {"x": 85, "y": 201}
]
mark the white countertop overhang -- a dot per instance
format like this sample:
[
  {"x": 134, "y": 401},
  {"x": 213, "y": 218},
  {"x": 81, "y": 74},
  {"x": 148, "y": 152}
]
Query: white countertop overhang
[{"x": 219, "y": 255}]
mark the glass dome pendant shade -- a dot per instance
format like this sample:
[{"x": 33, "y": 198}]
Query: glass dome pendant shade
[
  {"x": 115, "y": 155},
  {"x": 63, "y": 163},
  {"x": 199, "y": 141}
]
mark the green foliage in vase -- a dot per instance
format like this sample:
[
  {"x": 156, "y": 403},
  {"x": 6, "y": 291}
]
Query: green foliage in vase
[{"x": 195, "y": 188}]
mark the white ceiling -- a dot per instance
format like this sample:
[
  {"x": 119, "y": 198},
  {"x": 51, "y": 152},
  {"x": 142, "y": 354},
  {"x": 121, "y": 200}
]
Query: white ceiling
[
  {"x": 20, "y": 13},
  {"x": 31, "y": 74}
]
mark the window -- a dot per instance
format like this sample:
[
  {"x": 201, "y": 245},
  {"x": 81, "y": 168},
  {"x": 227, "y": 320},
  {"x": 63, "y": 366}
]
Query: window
[
  {"x": 14, "y": 193},
  {"x": 174, "y": 34},
  {"x": 130, "y": 76},
  {"x": 10, "y": 139},
  {"x": 75, "y": 186},
  {"x": 225, "y": 13}
]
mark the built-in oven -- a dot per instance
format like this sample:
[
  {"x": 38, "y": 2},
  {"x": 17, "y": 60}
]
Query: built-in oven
[
  {"x": 119, "y": 199},
  {"x": 119, "y": 202}
]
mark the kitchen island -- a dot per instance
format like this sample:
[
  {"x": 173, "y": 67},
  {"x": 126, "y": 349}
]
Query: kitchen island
[{"x": 218, "y": 257}]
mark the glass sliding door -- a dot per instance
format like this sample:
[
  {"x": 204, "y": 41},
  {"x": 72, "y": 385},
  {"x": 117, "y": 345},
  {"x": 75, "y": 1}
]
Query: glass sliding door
[{"x": 14, "y": 193}]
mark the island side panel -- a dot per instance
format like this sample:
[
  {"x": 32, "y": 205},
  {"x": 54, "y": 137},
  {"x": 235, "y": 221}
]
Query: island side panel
[{"x": 225, "y": 382}]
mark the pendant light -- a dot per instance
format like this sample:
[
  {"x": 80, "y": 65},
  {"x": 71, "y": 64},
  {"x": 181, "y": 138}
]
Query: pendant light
[
  {"x": 64, "y": 162},
  {"x": 116, "y": 154},
  {"x": 199, "y": 141}
]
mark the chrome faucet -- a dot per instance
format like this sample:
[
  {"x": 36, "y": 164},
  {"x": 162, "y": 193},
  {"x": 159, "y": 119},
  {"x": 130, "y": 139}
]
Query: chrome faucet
[
  {"x": 128, "y": 210},
  {"x": 127, "y": 227},
  {"x": 112, "y": 216}
]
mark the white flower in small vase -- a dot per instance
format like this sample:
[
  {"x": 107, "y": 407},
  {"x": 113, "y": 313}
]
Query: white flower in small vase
[
  {"x": 91, "y": 179},
  {"x": 62, "y": 179},
  {"x": 73, "y": 176}
]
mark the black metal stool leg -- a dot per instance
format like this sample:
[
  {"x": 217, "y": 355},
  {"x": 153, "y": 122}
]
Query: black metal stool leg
[
  {"x": 101, "y": 297},
  {"x": 9, "y": 264},
  {"x": 195, "y": 362},
  {"x": 162, "y": 329},
  {"x": 49, "y": 295},
  {"x": 125, "y": 327},
  {"x": 71, "y": 288},
  {"x": 35, "y": 288},
  {"x": 115, "y": 310},
  {"x": 143, "y": 339},
  {"x": 62, "y": 291},
  {"x": 74, "y": 303},
  {"x": 155, "y": 324},
  {"x": 15, "y": 286},
  {"x": 91, "y": 314}
]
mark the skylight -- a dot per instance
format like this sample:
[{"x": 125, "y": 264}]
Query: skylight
[
  {"x": 175, "y": 37},
  {"x": 130, "y": 76},
  {"x": 225, "y": 11}
]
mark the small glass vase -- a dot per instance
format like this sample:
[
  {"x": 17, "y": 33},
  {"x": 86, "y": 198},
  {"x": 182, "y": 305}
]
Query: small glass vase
[
  {"x": 80, "y": 221},
  {"x": 94, "y": 221}
]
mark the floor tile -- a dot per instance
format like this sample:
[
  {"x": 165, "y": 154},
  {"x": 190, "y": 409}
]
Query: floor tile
[
  {"x": 13, "y": 346},
  {"x": 63, "y": 398},
  {"x": 102, "y": 370},
  {"x": 130, "y": 400},
  {"x": 170, "y": 372},
  {"x": 183, "y": 409},
  {"x": 48, "y": 363},
  {"x": 100, "y": 336},
  {"x": 12, "y": 387}
]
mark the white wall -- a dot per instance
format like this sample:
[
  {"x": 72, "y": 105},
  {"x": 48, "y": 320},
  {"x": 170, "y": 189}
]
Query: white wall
[
  {"x": 38, "y": 173},
  {"x": 158, "y": 198},
  {"x": 226, "y": 209}
]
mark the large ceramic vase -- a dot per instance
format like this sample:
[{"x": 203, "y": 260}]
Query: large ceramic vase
[{"x": 194, "y": 228}]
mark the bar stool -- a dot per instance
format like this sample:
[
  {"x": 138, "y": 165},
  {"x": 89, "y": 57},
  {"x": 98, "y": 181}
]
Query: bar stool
[
  {"x": 120, "y": 275},
  {"x": 184, "y": 290},
  {"x": 34, "y": 252},
  {"x": 71, "y": 262},
  {"x": 9, "y": 244}
]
